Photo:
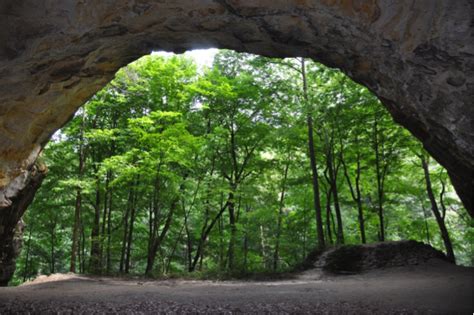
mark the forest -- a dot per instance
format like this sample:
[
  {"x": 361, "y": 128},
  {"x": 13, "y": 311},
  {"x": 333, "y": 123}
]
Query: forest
[{"x": 239, "y": 168}]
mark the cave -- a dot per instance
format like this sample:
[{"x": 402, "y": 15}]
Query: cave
[{"x": 417, "y": 57}]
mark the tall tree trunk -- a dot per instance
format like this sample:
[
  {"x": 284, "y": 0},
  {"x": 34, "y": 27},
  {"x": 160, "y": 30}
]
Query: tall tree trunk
[
  {"x": 233, "y": 182},
  {"x": 108, "y": 204},
  {"x": 78, "y": 204},
  {"x": 276, "y": 253},
  {"x": 333, "y": 183},
  {"x": 305, "y": 233},
  {"x": 82, "y": 266},
  {"x": 75, "y": 234},
  {"x": 205, "y": 233},
  {"x": 328, "y": 215},
  {"x": 246, "y": 243},
  {"x": 360, "y": 210},
  {"x": 27, "y": 260},
  {"x": 154, "y": 215},
  {"x": 427, "y": 230},
  {"x": 222, "y": 261},
  {"x": 201, "y": 259},
  {"x": 173, "y": 251},
  {"x": 233, "y": 229},
  {"x": 263, "y": 246},
  {"x": 133, "y": 205},
  {"x": 186, "y": 227},
  {"x": 109, "y": 230},
  {"x": 189, "y": 243},
  {"x": 125, "y": 232},
  {"x": 52, "y": 250},
  {"x": 380, "y": 188},
  {"x": 434, "y": 207},
  {"x": 157, "y": 242},
  {"x": 95, "y": 259},
  {"x": 313, "y": 164},
  {"x": 104, "y": 222}
]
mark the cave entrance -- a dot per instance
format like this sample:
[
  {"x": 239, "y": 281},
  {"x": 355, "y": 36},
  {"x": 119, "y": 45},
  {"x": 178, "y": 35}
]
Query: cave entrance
[
  {"x": 200, "y": 163},
  {"x": 413, "y": 56}
]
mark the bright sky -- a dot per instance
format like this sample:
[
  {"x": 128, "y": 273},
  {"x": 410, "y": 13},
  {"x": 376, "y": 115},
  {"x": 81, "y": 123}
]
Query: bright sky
[{"x": 202, "y": 57}]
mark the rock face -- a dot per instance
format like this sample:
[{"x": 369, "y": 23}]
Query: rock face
[
  {"x": 11, "y": 226},
  {"x": 359, "y": 258},
  {"x": 416, "y": 55}
]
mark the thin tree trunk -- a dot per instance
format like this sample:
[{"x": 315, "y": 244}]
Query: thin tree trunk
[
  {"x": 83, "y": 248},
  {"x": 52, "y": 252},
  {"x": 328, "y": 215},
  {"x": 360, "y": 210},
  {"x": 333, "y": 183},
  {"x": 233, "y": 180},
  {"x": 356, "y": 193},
  {"x": 204, "y": 234},
  {"x": 27, "y": 260},
  {"x": 276, "y": 254},
  {"x": 312, "y": 156},
  {"x": 157, "y": 242},
  {"x": 380, "y": 192},
  {"x": 246, "y": 242},
  {"x": 427, "y": 230},
  {"x": 173, "y": 251},
  {"x": 189, "y": 245},
  {"x": 263, "y": 246},
  {"x": 75, "y": 234},
  {"x": 133, "y": 209},
  {"x": 222, "y": 261},
  {"x": 104, "y": 220},
  {"x": 305, "y": 233},
  {"x": 434, "y": 207},
  {"x": 109, "y": 231},
  {"x": 233, "y": 230},
  {"x": 95, "y": 259},
  {"x": 201, "y": 258},
  {"x": 77, "y": 210},
  {"x": 186, "y": 227},
  {"x": 125, "y": 233},
  {"x": 154, "y": 217}
]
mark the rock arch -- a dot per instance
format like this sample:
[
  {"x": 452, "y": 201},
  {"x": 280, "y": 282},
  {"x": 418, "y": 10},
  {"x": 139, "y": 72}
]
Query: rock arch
[{"x": 417, "y": 56}]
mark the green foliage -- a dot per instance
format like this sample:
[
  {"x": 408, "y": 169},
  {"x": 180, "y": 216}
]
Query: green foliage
[{"x": 207, "y": 151}]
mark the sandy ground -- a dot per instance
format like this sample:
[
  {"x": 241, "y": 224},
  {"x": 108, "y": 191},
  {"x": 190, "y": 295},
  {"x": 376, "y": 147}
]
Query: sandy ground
[{"x": 434, "y": 288}]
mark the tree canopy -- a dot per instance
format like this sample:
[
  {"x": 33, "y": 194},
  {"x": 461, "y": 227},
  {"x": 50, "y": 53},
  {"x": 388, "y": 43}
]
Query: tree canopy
[{"x": 243, "y": 167}]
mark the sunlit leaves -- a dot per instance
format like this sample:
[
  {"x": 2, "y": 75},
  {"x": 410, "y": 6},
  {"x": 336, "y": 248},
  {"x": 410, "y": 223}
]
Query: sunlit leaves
[{"x": 161, "y": 129}]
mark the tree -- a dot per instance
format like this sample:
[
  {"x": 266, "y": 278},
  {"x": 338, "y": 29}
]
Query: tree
[
  {"x": 77, "y": 211},
  {"x": 237, "y": 169},
  {"x": 439, "y": 215}
]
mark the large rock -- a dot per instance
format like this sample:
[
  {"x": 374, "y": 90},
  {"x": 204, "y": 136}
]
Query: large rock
[
  {"x": 416, "y": 55},
  {"x": 359, "y": 258}
]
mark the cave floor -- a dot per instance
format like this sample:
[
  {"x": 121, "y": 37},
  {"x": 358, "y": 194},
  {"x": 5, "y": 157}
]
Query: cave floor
[{"x": 434, "y": 288}]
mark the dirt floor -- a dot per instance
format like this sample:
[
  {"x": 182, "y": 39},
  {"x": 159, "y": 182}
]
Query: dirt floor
[{"x": 433, "y": 288}]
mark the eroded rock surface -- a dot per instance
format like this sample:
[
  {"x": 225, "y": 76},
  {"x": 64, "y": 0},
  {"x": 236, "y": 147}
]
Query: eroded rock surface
[
  {"x": 11, "y": 225},
  {"x": 361, "y": 258},
  {"x": 417, "y": 56}
]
